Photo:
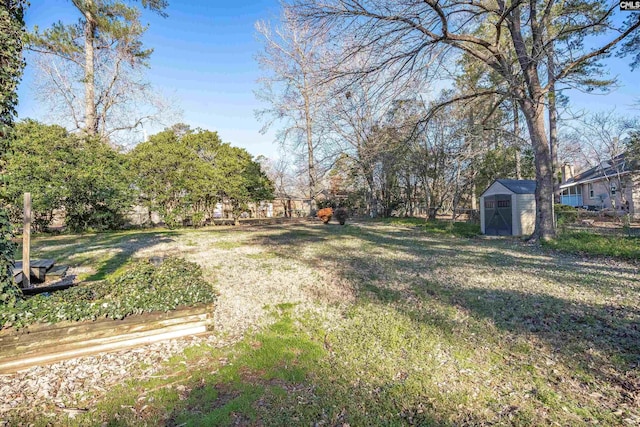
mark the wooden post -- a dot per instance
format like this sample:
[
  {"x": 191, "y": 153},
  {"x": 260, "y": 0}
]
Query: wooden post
[{"x": 26, "y": 242}]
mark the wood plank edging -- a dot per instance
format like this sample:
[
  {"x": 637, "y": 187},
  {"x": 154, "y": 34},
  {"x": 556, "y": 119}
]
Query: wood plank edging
[
  {"x": 27, "y": 349},
  {"x": 91, "y": 324},
  {"x": 36, "y": 348},
  {"x": 42, "y": 339},
  {"x": 42, "y": 359}
]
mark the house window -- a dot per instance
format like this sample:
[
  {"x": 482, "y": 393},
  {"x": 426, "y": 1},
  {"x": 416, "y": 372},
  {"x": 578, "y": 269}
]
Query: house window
[
  {"x": 613, "y": 190},
  {"x": 572, "y": 191},
  {"x": 590, "y": 191},
  {"x": 504, "y": 203},
  {"x": 489, "y": 204}
]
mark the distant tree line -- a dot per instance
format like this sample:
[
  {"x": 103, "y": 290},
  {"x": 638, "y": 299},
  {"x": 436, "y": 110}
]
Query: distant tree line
[{"x": 179, "y": 173}]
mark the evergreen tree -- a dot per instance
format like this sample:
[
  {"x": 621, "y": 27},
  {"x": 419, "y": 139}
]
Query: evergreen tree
[
  {"x": 182, "y": 174},
  {"x": 83, "y": 176},
  {"x": 11, "y": 65},
  {"x": 106, "y": 43}
]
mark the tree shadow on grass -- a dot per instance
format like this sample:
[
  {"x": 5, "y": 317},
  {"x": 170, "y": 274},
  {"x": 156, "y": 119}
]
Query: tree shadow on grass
[
  {"x": 586, "y": 311},
  {"x": 103, "y": 252},
  {"x": 594, "y": 273},
  {"x": 271, "y": 378},
  {"x": 275, "y": 381}
]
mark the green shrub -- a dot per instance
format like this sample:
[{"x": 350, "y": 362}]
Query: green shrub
[
  {"x": 588, "y": 243},
  {"x": 565, "y": 214},
  {"x": 141, "y": 288},
  {"x": 9, "y": 292},
  {"x": 86, "y": 178},
  {"x": 341, "y": 215}
]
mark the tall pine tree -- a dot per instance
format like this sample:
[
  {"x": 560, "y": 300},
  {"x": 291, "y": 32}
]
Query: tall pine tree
[{"x": 107, "y": 32}]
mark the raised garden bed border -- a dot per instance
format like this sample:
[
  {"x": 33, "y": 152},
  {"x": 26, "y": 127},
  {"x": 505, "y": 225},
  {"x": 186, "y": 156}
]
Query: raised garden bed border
[{"x": 43, "y": 344}]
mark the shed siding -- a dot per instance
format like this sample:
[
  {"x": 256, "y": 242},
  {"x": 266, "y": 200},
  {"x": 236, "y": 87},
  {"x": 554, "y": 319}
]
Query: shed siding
[
  {"x": 525, "y": 214},
  {"x": 523, "y": 210},
  {"x": 496, "y": 188},
  {"x": 515, "y": 215}
]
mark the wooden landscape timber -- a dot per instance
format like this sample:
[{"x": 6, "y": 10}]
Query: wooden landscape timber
[
  {"x": 59, "y": 286},
  {"x": 43, "y": 344},
  {"x": 38, "y": 268},
  {"x": 258, "y": 221}
]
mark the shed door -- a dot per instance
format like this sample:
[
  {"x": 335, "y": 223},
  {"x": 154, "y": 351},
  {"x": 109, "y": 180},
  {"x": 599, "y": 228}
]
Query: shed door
[{"x": 497, "y": 213}]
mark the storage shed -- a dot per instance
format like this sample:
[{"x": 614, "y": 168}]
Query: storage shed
[{"x": 508, "y": 208}]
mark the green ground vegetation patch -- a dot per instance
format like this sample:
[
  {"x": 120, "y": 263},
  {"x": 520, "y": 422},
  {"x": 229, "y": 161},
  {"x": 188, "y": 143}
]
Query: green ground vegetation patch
[
  {"x": 592, "y": 244},
  {"x": 380, "y": 365},
  {"x": 451, "y": 228},
  {"x": 139, "y": 288},
  {"x": 206, "y": 386}
]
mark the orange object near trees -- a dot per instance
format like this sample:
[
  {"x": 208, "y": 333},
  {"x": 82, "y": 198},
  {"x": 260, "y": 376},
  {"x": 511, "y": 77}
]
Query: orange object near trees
[{"x": 325, "y": 215}]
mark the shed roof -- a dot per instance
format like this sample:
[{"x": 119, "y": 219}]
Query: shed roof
[{"x": 519, "y": 186}]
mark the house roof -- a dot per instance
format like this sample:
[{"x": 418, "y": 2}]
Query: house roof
[
  {"x": 619, "y": 165},
  {"x": 519, "y": 186}
]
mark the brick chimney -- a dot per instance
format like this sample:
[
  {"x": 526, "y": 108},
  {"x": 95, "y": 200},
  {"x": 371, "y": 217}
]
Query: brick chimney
[{"x": 567, "y": 172}]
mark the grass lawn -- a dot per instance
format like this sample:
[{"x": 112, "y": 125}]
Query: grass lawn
[
  {"x": 381, "y": 324},
  {"x": 581, "y": 242}
]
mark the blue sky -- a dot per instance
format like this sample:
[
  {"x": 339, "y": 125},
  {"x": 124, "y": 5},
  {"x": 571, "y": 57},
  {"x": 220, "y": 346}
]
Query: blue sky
[{"x": 204, "y": 60}]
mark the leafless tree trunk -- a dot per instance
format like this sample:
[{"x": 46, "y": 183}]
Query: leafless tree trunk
[
  {"x": 516, "y": 139},
  {"x": 553, "y": 123},
  {"x": 311, "y": 162},
  {"x": 291, "y": 58},
  {"x": 90, "y": 113}
]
